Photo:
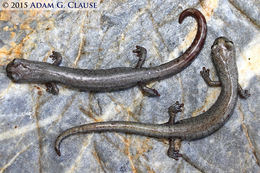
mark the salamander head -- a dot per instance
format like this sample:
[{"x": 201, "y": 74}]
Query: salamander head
[
  {"x": 223, "y": 51},
  {"x": 17, "y": 70}
]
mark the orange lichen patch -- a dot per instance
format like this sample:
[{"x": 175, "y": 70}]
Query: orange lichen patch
[
  {"x": 127, "y": 152},
  {"x": 4, "y": 52},
  {"x": 96, "y": 156},
  {"x": 149, "y": 169},
  {"x": 49, "y": 25},
  {"x": 208, "y": 7},
  {"x": 7, "y": 28},
  {"x": 13, "y": 34},
  {"x": 126, "y": 149},
  {"x": 143, "y": 148},
  {"x": 131, "y": 114},
  {"x": 17, "y": 49},
  {"x": 90, "y": 114},
  {"x": 39, "y": 93},
  {"x": 25, "y": 26},
  {"x": 5, "y": 15},
  {"x": 34, "y": 13},
  {"x": 39, "y": 90}
]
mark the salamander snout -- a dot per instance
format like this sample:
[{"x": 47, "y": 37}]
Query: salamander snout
[
  {"x": 223, "y": 42},
  {"x": 16, "y": 70}
]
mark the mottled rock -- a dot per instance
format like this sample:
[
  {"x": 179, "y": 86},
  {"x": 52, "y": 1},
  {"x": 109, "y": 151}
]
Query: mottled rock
[{"x": 31, "y": 118}]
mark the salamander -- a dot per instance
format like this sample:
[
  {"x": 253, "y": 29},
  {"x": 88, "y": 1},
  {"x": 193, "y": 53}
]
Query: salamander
[{"x": 103, "y": 80}]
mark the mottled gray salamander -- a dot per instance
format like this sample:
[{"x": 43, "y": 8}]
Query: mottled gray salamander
[
  {"x": 223, "y": 56},
  {"x": 21, "y": 70}
]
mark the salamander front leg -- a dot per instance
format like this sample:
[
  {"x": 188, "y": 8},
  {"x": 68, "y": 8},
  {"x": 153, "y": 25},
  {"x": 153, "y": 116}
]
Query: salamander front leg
[
  {"x": 52, "y": 87},
  {"x": 141, "y": 54},
  {"x": 205, "y": 75},
  {"x": 174, "y": 143}
]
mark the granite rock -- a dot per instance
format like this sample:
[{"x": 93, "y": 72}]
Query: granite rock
[{"x": 31, "y": 118}]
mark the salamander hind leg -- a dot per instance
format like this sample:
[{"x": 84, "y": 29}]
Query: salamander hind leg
[
  {"x": 150, "y": 92},
  {"x": 243, "y": 93},
  {"x": 174, "y": 148},
  {"x": 52, "y": 87},
  {"x": 205, "y": 75},
  {"x": 141, "y": 53},
  {"x": 174, "y": 143}
]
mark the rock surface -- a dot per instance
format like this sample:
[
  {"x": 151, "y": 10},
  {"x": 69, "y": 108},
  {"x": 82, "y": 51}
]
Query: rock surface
[{"x": 31, "y": 118}]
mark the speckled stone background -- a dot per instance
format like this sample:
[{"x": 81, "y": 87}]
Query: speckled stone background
[{"x": 31, "y": 118}]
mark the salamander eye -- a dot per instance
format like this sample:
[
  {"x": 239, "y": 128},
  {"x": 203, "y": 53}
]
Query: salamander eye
[
  {"x": 229, "y": 45},
  {"x": 213, "y": 46},
  {"x": 229, "y": 42}
]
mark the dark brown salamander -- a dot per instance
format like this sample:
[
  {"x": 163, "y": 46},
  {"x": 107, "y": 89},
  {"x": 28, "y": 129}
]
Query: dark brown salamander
[
  {"x": 223, "y": 56},
  {"x": 21, "y": 70}
]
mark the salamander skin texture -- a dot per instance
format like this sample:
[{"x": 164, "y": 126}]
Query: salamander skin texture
[
  {"x": 101, "y": 80},
  {"x": 223, "y": 57}
]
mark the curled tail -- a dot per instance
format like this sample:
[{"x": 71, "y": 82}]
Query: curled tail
[
  {"x": 200, "y": 37},
  {"x": 184, "y": 60}
]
